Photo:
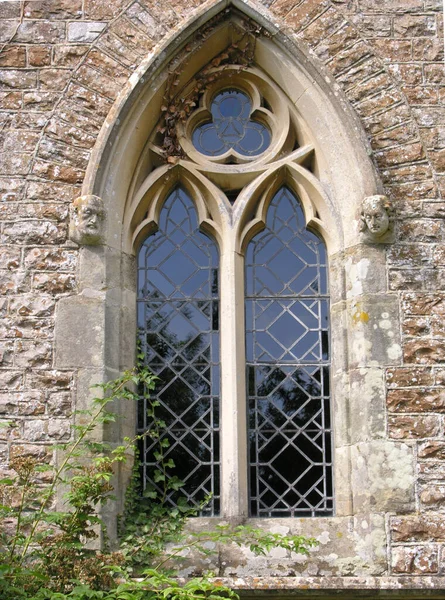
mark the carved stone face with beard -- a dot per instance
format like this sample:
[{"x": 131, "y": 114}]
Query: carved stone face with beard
[{"x": 87, "y": 221}]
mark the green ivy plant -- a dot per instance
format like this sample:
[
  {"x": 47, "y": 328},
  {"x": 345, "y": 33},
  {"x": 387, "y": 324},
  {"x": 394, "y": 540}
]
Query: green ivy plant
[{"x": 48, "y": 555}]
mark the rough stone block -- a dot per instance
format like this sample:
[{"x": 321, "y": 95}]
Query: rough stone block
[
  {"x": 60, "y": 404},
  {"x": 415, "y": 560},
  {"x": 432, "y": 497},
  {"x": 69, "y": 55},
  {"x": 48, "y": 259},
  {"x": 85, "y": 31},
  {"x": 402, "y": 377},
  {"x": 55, "y": 380},
  {"x": 414, "y": 427},
  {"x": 42, "y": 101},
  {"x": 416, "y": 401},
  {"x": 40, "y": 32},
  {"x": 54, "y": 9},
  {"x": 30, "y": 353},
  {"x": 374, "y": 334},
  {"x": 39, "y": 56},
  {"x": 415, "y": 26},
  {"x": 54, "y": 79},
  {"x": 11, "y": 380},
  {"x": 432, "y": 450},
  {"x": 37, "y": 305},
  {"x": 57, "y": 172},
  {"x": 54, "y": 283},
  {"x": 69, "y": 134},
  {"x": 34, "y": 232},
  {"x": 383, "y": 477},
  {"x": 13, "y": 56},
  {"x": 416, "y": 529},
  {"x": 79, "y": 334},
  {"x": 424, "y": 351}
]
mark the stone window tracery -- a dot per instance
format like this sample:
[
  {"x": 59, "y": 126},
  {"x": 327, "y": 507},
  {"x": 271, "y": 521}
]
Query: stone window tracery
[{"x": 247, "y": 154}]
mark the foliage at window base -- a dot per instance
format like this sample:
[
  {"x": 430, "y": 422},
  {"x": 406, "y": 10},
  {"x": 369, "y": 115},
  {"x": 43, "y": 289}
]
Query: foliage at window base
[{"x": 49, "y": 555}]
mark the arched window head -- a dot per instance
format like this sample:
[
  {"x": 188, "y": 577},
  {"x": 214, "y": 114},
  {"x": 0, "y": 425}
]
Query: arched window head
[
  {"x": 178, "y": 330},
  {"x": 287, "y": 346}
]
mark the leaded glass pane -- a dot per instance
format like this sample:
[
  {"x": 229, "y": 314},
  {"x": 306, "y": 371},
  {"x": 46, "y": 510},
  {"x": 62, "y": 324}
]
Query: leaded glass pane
[
  {"x": 178, "y": 328},
  {"x": 287, "y": 341},
  {"x": 231, "y": 127}
]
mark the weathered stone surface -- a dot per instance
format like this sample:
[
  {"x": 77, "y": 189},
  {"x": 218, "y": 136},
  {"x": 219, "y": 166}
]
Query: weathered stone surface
[
  {"x": 41, "y": 453},
  {"x": 55, "y": 380},
  {"x": 431, "y": 471},
  {"x": 433, "y": 449},
  {"x": 13, "y": 56},
  {"x": 409, "y": 376},
  {"x": 39, "y": 56},
  {"x": 421, "y": 230},
  {"x": 54, "y": 283},
  {"x": 414, "y": 427},
  {"x": 54, "y": 79},
  {"x": 54, "y": 9},
  {"x": 85, "y": 31},
  {"x": 58, "y": 172},
  {"x": 37, "y": 32},
  {"x": 26, "y": 327},
  {"x": 423, "y": 304},
  {"x": 414, "y": 26},
  {"x": 14, "y": 282},
  {"x": 83, "y": 347},
  {"x": 32, "y": 304},
  {"x": 69, "y": 55},
  {"x": 51, "y": 149},
  {"x": 60, "y": 404},
  {"x": 34, "y": 232},
  {"x": 6, "y": 353},
  {"x": 383, "y": 477},
  {"x": 9, "y": 256},
  {"x": 419, "y": 400},
  {"x": 415, "y": 529},
  {"x": 415, "y": 560},
  {"x": 33, "y": 354},
  {"x": 424, "y": 351},
  {"x": 11, "y": 380},
  {"x": 45, "y": 191},
  {"x": 69, "y": 134},
  {"x": 416, "y": 326},
  {"x": 44, "y": 259},
  {"x": 432, "y": 497}
]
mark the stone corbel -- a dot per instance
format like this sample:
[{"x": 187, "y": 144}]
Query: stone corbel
[
  {"x": 377, "y": 220},
  {"x": 87, "y": 221}
]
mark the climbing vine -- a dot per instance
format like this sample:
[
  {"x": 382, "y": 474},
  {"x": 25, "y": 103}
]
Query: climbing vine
[{"x": 178, "y": 105}]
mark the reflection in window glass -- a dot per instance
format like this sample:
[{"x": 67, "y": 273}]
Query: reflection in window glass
[
  {"x": 231, "y": 127},
  {"x": 287, "y": 311},
  {"x": 178, "y": 327}
]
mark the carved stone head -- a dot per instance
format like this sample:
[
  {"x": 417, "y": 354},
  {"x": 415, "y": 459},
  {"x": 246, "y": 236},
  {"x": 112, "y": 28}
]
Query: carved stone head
[
  {"x": 376, "y": 219},
  {"x": 87, "y": 221}
]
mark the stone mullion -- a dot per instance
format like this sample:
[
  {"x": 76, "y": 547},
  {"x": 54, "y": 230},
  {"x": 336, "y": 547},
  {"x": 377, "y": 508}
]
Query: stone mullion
[{"x": 234, "y": 497}]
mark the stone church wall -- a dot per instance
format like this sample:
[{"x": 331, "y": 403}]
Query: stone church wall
[{"x": 63, "y": 64}]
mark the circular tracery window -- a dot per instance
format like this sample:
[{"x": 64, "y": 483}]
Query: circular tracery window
[{"x": 231, "y": 127}]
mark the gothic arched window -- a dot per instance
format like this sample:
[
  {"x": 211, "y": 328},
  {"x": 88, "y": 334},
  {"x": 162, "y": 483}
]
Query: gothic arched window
[
  {"x": 178, "y": 325},
  {"x": 287, "y": 346},
  {"x": 261, "y": 444}
]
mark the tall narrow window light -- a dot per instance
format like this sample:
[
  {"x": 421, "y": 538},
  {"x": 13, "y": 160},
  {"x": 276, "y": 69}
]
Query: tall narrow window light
[
  {"x": 178, "y": 323},
  {"x": 287, "y": 310}
]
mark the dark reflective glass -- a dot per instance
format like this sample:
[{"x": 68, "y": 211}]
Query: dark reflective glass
[
  {"x": 231, "y": 127},
  {"x": 287, "y": 310},
  {"x": 178, "y": 325}
]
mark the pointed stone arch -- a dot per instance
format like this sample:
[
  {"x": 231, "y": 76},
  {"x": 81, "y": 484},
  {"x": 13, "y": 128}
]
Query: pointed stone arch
[{"x": 119, "y": 172}]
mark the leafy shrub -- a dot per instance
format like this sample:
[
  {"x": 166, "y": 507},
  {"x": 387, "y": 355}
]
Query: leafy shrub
[{"x": 50, "y": 555}]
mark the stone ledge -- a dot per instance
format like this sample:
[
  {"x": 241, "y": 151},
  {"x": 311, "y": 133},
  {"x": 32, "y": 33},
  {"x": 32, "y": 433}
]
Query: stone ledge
[{"x": 332, "y": 587}]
